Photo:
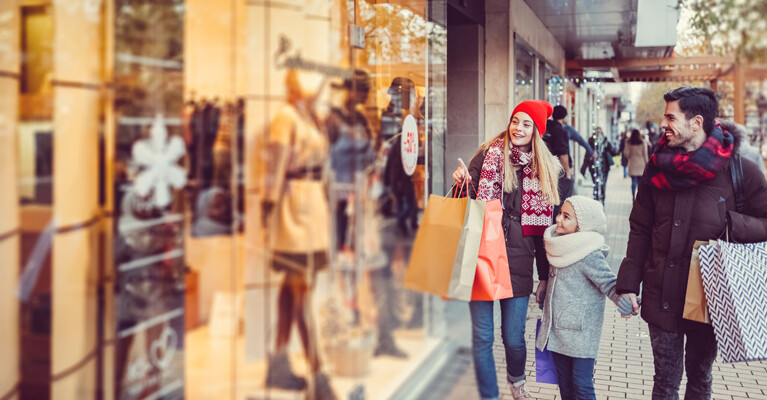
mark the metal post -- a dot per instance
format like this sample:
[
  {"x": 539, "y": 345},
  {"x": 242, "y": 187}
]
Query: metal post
[{"x": 740, "y": 93}]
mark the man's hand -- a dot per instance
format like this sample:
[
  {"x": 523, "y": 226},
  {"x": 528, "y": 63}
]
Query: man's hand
[
  {"x": 565, "y": 161},
  {"x": 540, "y": 292},
  {"x": 624, "y": 300}
]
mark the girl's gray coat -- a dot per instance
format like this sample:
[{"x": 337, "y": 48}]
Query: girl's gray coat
[{"x": 574, "y": 306}]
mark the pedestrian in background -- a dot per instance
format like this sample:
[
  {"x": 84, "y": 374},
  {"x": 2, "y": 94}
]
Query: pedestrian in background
[
  {"x": 513, "y": 163},
  {"x": 746, "y": 150},
  {"x": 600, "y": 165},
  {"x": 635, "y": 151},
  {"x": 624, "y": 160},
  {"x": 558, "y": 143}
]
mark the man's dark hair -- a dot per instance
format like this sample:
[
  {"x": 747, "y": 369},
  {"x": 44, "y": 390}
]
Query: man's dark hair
[{"x": 696, "y": 101}]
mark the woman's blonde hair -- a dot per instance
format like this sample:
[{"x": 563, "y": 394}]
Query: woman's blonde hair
[{"x": 544, "y": 165}]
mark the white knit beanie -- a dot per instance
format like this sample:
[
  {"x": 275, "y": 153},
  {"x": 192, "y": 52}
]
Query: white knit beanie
[{"x": 589, "y": 213}]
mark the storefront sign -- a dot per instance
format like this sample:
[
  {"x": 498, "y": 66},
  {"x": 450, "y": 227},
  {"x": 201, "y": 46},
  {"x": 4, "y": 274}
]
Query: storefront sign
[{"x": 409, "y": 145}]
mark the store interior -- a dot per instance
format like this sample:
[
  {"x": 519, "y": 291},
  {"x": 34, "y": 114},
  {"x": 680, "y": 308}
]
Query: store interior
[{"x": 219, "y": 94}]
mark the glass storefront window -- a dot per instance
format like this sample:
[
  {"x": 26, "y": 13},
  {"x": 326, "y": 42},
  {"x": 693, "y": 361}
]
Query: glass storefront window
[
  {"x": 554, "y": 86},
  {"x": 216, "y": 200},
  {"x": 524, "y": 66}
]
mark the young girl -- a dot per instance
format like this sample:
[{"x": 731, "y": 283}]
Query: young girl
[
  {"x": 574, "y": 305},
  {"x": 516, "y": 167}
]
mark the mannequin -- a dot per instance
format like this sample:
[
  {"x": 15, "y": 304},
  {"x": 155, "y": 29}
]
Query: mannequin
[{"x": 295, "y": 212}]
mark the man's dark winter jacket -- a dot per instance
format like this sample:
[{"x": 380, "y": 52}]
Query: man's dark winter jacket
[
  {"x": 664, "y": 226},
  {"x": 556, "y": 139}
]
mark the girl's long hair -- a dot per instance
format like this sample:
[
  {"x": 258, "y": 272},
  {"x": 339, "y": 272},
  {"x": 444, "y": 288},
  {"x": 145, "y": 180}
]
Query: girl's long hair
[
  {"x": 636, "y": 137},
  {"x": 544, "y": 165}
]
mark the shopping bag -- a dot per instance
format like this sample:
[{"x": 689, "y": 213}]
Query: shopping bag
[
  {"x": 695, "y": 300},
  {"x": 545, "y": 371},
  {"x": 444, "y": 256},
  {"x": 492, "y": 280},
  {"x": 735, "y": 283},
  {"x": 467, "y": 254}
]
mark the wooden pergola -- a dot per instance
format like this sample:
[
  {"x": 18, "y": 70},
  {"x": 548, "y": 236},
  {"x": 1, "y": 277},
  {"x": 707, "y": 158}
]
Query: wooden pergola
[{"x": 711, "y": 69}]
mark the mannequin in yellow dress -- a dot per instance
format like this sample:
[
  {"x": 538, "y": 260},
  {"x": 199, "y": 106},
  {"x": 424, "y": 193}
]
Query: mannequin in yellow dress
[{"x": 295, "y": 213}]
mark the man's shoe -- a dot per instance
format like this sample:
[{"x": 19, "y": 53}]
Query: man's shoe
[
  {"x": 280, "y": 376},
  {"x": 520, "y": 392}
]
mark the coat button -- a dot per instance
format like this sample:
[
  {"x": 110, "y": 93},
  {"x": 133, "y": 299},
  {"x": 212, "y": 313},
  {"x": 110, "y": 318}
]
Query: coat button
[
  {"x": 671, "y": 264},
  {"x": 678, "y": 222},
  {"x": 552, "y": 274},
  {"x": 665, "y": 306}
]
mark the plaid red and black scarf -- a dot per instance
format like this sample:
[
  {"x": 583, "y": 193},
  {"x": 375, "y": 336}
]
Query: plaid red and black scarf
[{"x": 669, "y": 169}]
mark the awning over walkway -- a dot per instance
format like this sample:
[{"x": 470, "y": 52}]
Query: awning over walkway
[{"x": 633, "y": 41}]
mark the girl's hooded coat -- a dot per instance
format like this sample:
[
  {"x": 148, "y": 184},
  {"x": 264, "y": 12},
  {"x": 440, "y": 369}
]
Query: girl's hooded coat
[{"x": 579, "y": 280}]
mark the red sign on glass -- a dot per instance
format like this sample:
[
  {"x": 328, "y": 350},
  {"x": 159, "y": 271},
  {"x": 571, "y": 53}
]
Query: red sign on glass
[{"x": 409, "y": 145}]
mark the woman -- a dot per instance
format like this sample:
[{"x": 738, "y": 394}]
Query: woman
[
  {"x": 624, "y": 159},
  {"x": 635, "y": 151},
  {"x": 513, "y": 163}
]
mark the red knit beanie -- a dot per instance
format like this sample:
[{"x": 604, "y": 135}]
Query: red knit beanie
[{"x": 538, "y": 110}]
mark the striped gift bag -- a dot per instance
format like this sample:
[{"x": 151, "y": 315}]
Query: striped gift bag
[{"x": 735, "y": 283}]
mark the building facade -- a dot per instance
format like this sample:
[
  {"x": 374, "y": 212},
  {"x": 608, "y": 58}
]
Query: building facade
[{"x": 196, "y": 191}]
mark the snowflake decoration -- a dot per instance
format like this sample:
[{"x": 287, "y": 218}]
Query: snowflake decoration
[{"x": 158, "y": 159}]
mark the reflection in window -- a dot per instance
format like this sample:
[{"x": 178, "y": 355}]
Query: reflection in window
[{"x": 524, "y": 88}]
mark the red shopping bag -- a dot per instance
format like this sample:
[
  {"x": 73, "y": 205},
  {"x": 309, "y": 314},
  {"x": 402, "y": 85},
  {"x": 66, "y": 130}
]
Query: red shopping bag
[{"x": 492, "y": 281}]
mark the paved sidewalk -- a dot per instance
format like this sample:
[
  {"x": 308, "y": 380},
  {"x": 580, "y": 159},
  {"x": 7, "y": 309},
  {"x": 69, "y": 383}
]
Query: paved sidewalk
[{"x": 624, "y": 368}]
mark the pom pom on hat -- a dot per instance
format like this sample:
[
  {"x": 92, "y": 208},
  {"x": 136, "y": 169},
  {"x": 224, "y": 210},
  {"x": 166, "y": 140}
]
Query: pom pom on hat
[
  {"x": 589, "y": 214},
  {"x": 538, "y": 110}
]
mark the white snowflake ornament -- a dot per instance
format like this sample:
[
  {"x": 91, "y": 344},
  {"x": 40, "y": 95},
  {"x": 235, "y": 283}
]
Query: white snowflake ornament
[{"x": 158, "y": 159}]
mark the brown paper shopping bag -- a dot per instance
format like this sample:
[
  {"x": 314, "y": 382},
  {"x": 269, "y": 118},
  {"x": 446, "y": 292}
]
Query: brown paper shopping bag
[
  {"x": 695, "y": 308},
  {"x": 436, "y": 265}
]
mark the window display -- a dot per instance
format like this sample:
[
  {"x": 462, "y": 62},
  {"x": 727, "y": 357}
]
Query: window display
[{"x": 220, "y": 207}]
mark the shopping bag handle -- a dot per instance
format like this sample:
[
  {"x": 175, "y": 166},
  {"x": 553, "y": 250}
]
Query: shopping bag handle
[
  {"x": 467, "y": 177},
  {"x": 460, "y": 191}
]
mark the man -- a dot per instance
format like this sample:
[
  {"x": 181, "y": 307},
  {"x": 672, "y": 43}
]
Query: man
[
  {"x": 554, "y": 141},
  {"x": 652, "y": 135},
  {"x": 685, "y": 194},
  {"x": 557, "y": 141},
  {"x": 576, "y": 137}
]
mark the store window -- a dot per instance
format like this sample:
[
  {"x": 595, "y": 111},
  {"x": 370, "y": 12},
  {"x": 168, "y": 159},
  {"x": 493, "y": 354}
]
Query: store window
[
  {"x": 216, "y": 200},
  {"x": 553, "y": 85},
  {"x": 524, "y": 67}
]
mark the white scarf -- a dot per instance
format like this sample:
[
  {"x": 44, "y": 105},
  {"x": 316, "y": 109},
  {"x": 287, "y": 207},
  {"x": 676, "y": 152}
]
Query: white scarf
[{"x": 566, "y": 250}]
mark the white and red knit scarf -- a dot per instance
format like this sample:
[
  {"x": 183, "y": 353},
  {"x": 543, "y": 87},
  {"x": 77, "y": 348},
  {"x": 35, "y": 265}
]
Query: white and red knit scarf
[{"x": 536, "y": 209}]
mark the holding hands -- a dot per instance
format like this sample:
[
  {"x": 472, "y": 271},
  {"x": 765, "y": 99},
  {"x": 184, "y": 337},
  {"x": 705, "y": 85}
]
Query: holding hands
[{"x": 628, "y": 305}]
